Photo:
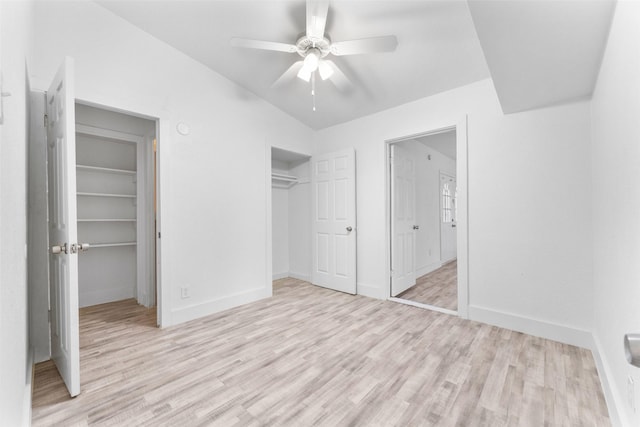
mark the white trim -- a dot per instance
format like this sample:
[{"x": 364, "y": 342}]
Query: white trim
[
  {"x": 207, "y": 308},
  {"x": 462, "y": 222},
  {"x": 269, "y": 276},
  {"x": 106, "y": 295},
  {"x": 277, "y": 276},
  {"x": 291, "y": 274},
  {"x": 163, "y": 159},
  {"x": 299, "y": 276},
  {"x": 539, "y": 328},
  {"x": 423, "y": 306},
  {"x": 615, "y": 402},
  {"x": 429, "y": 268}
]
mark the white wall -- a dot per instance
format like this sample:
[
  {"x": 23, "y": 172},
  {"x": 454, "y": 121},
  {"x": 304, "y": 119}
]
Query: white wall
[
  {"x": 214, "y": 231},
  {"x": 280, "y": 222},
  {"x": 616, "y": 204},
  {"x": 300, "y": 224},
  {"x": 15, "y": 49},
  {"x": 529, "y": 206}
]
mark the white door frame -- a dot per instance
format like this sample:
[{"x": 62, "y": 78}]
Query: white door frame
[
  {"x": 163, "y": 303},
  {"x": 462, "y": 176}
]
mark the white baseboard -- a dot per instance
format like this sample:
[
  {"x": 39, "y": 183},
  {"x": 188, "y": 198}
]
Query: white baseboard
[
  {"x": 277, "y": 276},
  {"x": 195, "y": 311},
  {"x": 428, "y": 269},
  {"x": 300, "y": 276},
  {"x": 614, "y": 401},
  {"x": 87, "y": 299},
  {"x": 372, "y": 291},
  {"x": 539, "y": 328}
]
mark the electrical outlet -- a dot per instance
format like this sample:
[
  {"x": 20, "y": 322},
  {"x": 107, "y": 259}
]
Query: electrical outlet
[
  {"x": 184, "y": 292},
  {"x": 631, "y": 393}
]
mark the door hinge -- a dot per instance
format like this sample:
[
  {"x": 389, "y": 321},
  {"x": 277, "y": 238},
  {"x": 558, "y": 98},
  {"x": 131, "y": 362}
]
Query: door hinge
[
  {"x": 46, "y": 120},
  {"x": 49, "y": 316},
  {"x": 158, "y": 234}
]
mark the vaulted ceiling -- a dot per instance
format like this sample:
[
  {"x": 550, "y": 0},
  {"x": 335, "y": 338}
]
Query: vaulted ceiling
[{"x": 528, "y": 46}]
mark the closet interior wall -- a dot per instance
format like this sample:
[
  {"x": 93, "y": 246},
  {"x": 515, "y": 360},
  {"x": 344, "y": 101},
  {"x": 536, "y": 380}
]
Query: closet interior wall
[
  {"x": 291, "y": 215},
  {"x": 114, "y": 156}
]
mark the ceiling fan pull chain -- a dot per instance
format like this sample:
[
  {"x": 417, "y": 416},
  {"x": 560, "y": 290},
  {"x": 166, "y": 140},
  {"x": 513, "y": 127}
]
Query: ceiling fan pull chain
[{"x": 313, "y": 90}]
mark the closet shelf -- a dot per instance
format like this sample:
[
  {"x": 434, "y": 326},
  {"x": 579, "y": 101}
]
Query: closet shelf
[
  {"x": 106, "y": 220},
  {"x": 128, "y": 196},
  {"x": 105, "y": 170},
  {"x": 280, "y": 180},
  {"x": 112, "y": 245}
]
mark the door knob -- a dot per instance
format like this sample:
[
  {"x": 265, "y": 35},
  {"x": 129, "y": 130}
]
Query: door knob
[
  {"x": 453, "y": 225},
  {"x": 349, "y": 229},
  {"x": 59, "y": 249},
  {"x": 416, "y": 227},
  {"x": 79, "y": 247}
]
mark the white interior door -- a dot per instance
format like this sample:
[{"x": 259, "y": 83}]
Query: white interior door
[
  {"x": 333, "y": 184},
  {"x": 448, "y": 213},
  {"x": 403, "y": 220},
  {"x": 63, "y": 258}
]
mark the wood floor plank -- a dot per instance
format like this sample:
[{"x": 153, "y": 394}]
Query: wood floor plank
[
  {"x": 438, "y": 288},
  {"x": 311, "y": 356}
]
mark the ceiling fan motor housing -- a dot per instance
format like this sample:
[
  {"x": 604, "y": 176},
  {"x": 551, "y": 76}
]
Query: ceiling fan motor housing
[{"x": 305, "y": 44}]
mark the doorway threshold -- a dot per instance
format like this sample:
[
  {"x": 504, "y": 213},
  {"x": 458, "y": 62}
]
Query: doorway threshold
[{"x": 423, "y": 306}]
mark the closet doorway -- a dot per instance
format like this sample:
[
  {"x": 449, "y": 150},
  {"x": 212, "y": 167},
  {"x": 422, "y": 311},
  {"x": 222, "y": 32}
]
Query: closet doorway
[
  {"x": 290, "y": 217},
  {"x": 427, "y": 205},
  {"x": 116, "y": 209}
]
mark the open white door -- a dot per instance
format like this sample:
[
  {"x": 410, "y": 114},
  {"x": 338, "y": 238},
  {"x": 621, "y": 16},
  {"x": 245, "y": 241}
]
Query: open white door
[
  {"x": 448, "y": 213},
  {"x": 333, "y": 184},
  {"x": 403, "y": 220},
  {"x": 63, "y": 233}
]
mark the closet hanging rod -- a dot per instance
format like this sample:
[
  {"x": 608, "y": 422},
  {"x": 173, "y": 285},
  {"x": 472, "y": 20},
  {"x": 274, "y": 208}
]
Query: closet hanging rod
[
  {"x": 88, "y": 168},
  {"x": 112, "y": 245},
  {"x": 130, "y": 196},
  {"x": 107, "y": 220},
  {"x": 283, "y": 177}
]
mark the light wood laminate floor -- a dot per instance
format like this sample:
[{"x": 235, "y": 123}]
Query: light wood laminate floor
[
  {"x": 311, "y": 356},
  {"x": 438, "y": 288}
]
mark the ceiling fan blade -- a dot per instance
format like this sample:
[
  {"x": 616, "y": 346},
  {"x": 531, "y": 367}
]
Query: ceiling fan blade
[
  {"x": 371, "y": 45},
  {"x": 289, "y": 75},
  {"x": 316, "y": 18},
  {"x": 261, "y": 44},
  {"x": 338, "y": 78}
]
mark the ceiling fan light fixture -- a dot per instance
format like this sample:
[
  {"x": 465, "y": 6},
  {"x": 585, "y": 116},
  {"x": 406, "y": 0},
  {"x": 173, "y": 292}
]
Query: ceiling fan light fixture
[
  {"x": 325, "y": 70},
  {"x": 312, "y": 59},
  {"x": 305, "y": 74}
]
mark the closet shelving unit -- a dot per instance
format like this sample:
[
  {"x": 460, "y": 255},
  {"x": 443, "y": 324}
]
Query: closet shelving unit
[
  {"x": 107, "y": 186},
  {"x": 282, "y": 180}
]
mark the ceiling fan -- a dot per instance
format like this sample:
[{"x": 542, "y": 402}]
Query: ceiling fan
[{"x": 314, "y": 46}]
